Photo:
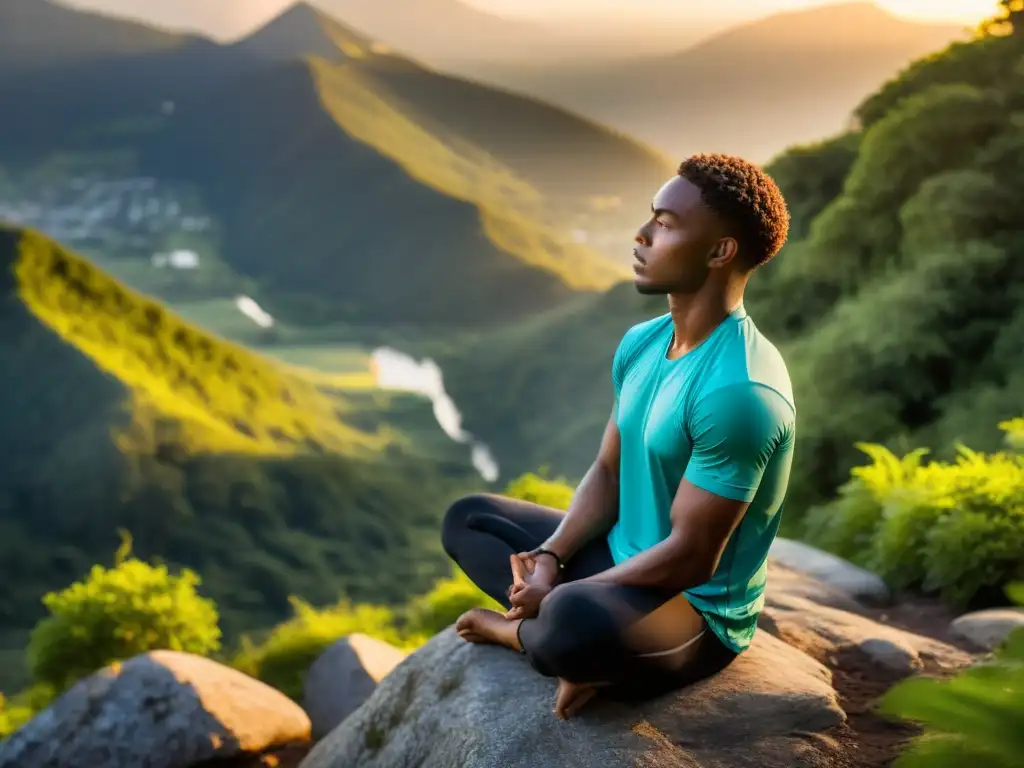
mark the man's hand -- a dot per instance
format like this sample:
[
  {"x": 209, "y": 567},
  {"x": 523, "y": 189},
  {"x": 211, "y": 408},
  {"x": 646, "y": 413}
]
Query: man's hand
[{"x": 533, "y": 578}]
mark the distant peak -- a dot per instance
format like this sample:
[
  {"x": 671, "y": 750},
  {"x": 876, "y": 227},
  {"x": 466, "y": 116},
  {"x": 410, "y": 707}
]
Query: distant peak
[{"x": 303, "y": 29}]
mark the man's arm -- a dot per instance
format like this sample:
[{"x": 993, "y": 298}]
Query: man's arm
[
  {"x": 702, "y": 523},
  {"x": 595, "y": 505},
  {"x": 735, "y": 431}
]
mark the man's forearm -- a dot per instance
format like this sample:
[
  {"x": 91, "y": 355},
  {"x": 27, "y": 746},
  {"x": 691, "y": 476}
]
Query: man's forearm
[
  {"x": 667, "y": 565},
  {"x": 593, "y": 512}
]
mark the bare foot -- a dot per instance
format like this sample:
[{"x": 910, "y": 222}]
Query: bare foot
[
  {"x": 479, "y": 625},
  {"x": 571, "y": 697}
]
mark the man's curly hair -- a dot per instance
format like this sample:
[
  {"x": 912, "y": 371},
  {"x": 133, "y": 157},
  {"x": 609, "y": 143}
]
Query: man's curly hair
[{"x": 746, "y": 198}]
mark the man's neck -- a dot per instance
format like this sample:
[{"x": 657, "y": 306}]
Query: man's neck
[{"x": 695, "y": 316}]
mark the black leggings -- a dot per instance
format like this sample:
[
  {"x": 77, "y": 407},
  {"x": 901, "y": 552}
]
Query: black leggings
[{"x": 578, "y": 633}]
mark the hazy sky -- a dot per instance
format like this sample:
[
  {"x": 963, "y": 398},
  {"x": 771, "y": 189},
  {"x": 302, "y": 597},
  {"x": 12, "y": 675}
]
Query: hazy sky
[{"x": 229, "y": 18}]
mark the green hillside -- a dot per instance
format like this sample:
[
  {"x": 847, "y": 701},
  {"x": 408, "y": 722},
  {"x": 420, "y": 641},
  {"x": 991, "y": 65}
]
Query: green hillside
[
  {"x": 898, "y": 304},
  {"x": 268, "y": 483}
]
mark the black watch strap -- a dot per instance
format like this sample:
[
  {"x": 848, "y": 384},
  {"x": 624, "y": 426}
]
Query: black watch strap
[{"x": 543, "y": 551}]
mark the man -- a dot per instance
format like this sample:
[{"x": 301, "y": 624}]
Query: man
[{"x": 654, "y": 577}]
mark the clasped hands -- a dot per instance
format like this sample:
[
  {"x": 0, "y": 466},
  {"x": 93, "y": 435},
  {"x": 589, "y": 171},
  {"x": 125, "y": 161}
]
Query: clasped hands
[{"x": 533, "y": 578}]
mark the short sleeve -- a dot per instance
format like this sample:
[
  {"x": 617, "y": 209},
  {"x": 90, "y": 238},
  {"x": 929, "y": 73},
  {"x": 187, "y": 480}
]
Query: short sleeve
[
  {"x": 735, "y": 431},
  {"x": 623, "y": 357}
]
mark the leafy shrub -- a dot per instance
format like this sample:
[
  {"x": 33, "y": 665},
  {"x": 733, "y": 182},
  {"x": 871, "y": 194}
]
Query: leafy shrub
[
  {"x": 954, "y": 528},
  {"x": 976, "y": 718},
  {"x": 117, "y": 613},
  {"x": 285, "y": 656},
  {"x": 847, "y": 526}
]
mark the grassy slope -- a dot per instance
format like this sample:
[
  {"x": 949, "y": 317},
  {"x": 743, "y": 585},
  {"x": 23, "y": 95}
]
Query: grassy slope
[
  {"x": 899, "y": 327},
  {"x": 122, "y": 415}
]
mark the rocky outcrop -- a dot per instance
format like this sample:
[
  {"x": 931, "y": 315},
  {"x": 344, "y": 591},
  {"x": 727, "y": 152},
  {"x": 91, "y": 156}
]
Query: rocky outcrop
[
  {"x": 989, "y": 629},
  {"x": 840, "y": 574},
  {"x": 343, "y": 677},
  {"x": 160, "y": 710},
  {"x": 807, "y": 614},
  {"x": 457, "y": 705}
]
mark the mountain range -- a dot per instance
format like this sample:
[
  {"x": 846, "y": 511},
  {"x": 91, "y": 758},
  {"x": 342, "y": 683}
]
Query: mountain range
[
  {"x": 752, "y": 90},
  {"x": 331, "y": 162}
]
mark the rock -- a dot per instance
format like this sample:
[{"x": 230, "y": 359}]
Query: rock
[
  {"x": 160, "y": 710},
  {"x": 343, "y": 677},
  {"x": 856, "y": 582},
  {"x": 822, "y": 630},
  {"x": 988, "y": 629},
  {"x": 456, "y": 705},
  {"x": 901, "y": 658},
  {"x": 782, "y": 579}
]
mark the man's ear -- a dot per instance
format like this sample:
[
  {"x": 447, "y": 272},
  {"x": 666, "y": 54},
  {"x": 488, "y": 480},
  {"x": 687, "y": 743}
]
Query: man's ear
[{"x": 724, "y": 253}]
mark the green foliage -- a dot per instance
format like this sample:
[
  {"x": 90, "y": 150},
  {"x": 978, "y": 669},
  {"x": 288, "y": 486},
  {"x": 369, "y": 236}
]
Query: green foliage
[
  {"x": 285, "y": 656},
  {"x": 983, "y": 63},
  {"x": 953, "y": 528},
  {"x": 897, "y": 154},
  {"x": 538, "y": 489},
  {"x": 1014, "y": 434},
  {"x": 17, "y": 710},
  {"x": 811, "y": 176},
  {"x": 117, "y": 613},
  {"x": 976, "y": 718}
]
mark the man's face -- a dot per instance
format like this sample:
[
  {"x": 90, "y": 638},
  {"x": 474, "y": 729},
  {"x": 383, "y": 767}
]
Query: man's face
[{"x": 675, "y": 245}]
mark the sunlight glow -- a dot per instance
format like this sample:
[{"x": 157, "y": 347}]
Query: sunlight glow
[{"x": 965, "y": 11}]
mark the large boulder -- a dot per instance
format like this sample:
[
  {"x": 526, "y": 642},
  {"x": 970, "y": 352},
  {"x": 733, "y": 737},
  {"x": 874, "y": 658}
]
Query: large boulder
[
  {"x": 162, "y": 709},
  {"x": 457, "y": 705},
  {"x": 343, "y": 677},
  {"x": 988, "y": 629},
  {"x": 844, "y": 576}
]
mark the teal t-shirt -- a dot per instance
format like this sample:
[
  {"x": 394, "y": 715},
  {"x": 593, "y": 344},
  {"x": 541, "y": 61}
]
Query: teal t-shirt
[{"x": 723, "y": 417}]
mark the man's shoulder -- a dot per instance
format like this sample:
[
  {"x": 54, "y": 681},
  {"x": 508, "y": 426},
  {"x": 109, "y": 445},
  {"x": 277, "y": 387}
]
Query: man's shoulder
[
  {"x": 748, "y": 362},
  {"x": 639, "y": 334}
]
